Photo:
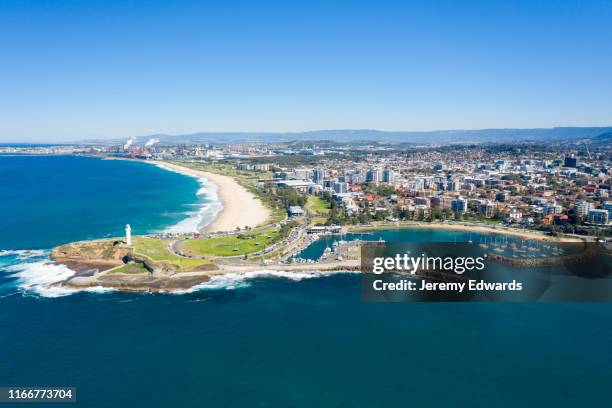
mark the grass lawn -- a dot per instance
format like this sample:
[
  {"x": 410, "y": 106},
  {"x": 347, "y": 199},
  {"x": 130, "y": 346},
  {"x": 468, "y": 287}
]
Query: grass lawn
[
  {"x": 233, "y": 245},
  {"x": 317, "y": 205},
  {"x": 131, "y": 268},
  {"x": 157, "y": 251},
  {"x": 476, "y": 220},
  {"x": 318, "y": 220}
]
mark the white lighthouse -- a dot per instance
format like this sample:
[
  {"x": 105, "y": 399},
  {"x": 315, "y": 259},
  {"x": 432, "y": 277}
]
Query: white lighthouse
[{"x": 128, "y": 234}]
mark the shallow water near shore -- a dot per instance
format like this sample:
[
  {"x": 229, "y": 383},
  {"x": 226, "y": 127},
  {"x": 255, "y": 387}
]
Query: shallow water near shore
[{"x": 268, "y": 341}]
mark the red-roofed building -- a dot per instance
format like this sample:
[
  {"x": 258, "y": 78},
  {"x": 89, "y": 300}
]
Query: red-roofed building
[{"x": 557, "y": 219}]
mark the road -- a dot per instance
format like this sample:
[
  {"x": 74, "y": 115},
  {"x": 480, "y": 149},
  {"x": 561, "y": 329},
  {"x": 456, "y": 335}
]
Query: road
[{"x": 294, "y": 236}]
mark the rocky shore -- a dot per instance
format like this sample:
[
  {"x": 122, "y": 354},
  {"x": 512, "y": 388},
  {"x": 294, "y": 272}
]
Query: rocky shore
[{"x": 111, "y": 264}]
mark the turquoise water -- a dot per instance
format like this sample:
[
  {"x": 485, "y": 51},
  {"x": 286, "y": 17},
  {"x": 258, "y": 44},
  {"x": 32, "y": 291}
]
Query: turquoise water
[
  {"x": 274, "y": 342},
  {"x": 51, "y": 200}
]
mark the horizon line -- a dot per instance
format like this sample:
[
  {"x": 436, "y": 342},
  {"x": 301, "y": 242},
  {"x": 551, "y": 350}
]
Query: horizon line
[{"x": 245, "y": 132}]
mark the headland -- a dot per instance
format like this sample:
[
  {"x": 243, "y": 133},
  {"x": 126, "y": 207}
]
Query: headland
[{"x": 246, "y": 237}]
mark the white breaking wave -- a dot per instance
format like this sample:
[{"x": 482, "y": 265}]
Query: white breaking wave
[
  {"x": 41, "y": 277},
  {"x": 207, "y": 211},
  {"x": 231, "y": 281},
  {"x": 23, "y": 253}
]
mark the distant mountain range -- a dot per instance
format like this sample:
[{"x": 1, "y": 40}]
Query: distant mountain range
[
  {"x": 362, "y": 135},
  {"x": 603, "y": 139}
]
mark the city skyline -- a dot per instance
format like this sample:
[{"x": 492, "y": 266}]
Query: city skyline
[{"x": 224, "y": 203}]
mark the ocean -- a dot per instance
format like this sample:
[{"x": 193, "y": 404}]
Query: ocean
[{"x": 266, "y": 341}]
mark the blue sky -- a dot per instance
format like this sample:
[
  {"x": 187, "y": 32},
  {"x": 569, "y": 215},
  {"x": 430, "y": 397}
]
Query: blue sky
[{"x": 72, "y": 70}]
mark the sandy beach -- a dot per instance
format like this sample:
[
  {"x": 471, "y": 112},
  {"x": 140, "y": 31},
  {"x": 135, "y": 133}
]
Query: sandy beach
[
  {"x": 240, "y": 207},
  {"x": 526, "y": 234}
]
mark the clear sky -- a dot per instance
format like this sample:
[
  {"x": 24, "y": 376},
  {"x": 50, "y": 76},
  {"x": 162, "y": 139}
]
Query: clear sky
[{"x": 87, "y": 69}]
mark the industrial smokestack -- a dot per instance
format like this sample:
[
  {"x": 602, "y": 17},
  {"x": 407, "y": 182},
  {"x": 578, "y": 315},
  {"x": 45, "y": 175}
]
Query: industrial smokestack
[
  {"x": 128, "y": 144},
  {"x": 151, "y": 142}
]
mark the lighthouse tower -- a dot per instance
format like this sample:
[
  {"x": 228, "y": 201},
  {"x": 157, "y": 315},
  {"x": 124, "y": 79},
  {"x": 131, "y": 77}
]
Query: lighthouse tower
[{"x": 128, "y": 234}]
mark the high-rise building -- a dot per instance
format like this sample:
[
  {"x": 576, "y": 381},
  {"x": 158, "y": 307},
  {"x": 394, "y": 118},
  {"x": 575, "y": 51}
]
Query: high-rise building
[
  {"x": 452, "y": 185},
  {"x": 502, "y": 196},
  {"x": 318, "y": 175},
  {"x": 373, "y": 176},
  {"x": 582, "y": 208},
  {"x": 598, "y": 217},
  {"x": 357, "y": 178},
  {"x": 341, "y": 187},
  {"x": 487, "y": 209},
  {"x": 418, "y": 184},
  {"x": 388, "y": 176},
  {"x": 569, "y": 161},
  {"x": 459, "y": 205},
  {"x": 608, "y": 207}
]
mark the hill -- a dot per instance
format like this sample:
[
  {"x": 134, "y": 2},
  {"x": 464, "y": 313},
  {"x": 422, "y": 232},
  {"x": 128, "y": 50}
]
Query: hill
[{"x": 361, "y": 135}]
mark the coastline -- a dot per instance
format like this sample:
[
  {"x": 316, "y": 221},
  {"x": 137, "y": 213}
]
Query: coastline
[
  {"x": 163, "y": 279},
  {"x": 240, "y": 208},
  {"x": 480, "y": 229}
]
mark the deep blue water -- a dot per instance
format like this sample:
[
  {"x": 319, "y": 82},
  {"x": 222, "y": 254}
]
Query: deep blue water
[{"x": 272, "y": 342}]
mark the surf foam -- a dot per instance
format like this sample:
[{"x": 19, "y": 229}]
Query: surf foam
[
  {"x": 23, "y": 253},
  {"x": 40, "y": 276},
  {"x": 230, "y": 281},
  {"x": 208, "y": 208}
]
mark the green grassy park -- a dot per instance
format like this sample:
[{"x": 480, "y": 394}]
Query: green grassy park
[
  {"x": 317, "y": 205},
  {"x": 233, "y": 245},
  {"x": 157, "y": 250}
]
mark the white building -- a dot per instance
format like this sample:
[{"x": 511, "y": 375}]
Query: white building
[
  {"x": 582, "y": 208},
  {"x": 515, "y": 214},
  {"x": 295, "y": 211}
]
